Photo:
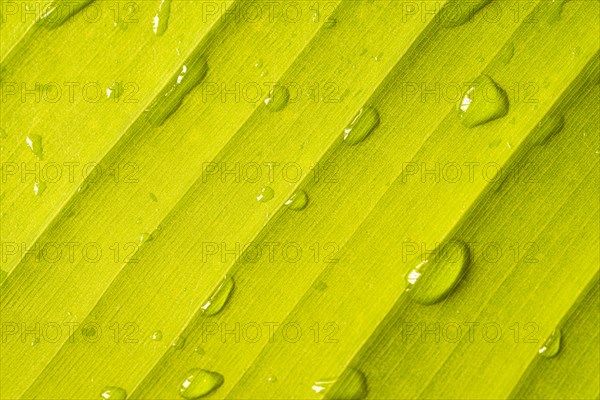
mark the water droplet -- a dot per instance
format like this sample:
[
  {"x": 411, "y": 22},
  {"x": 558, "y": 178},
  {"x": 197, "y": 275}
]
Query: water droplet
[
  {"x": 431, "y": 280},
  {"x": 114, "y": 91},
  {"x": 145, "y": 237},
  {"x": 39, "y": 188},
  {"x": 298, "y": 201},
  {"x": 89, "y": 331},
  {"x": 495, "y": 143},
  {"x": 506, "y": 54},
  {"x": 378, "y": 57},
  {"x": 170, "y": 98},
  {"x": 34, "y": 142},
  {"x": 551, "y": 346},
  {"x": 272, "y": 379},
  {"x": 157, "y": 336},
  {"x": 485, "y": 101},
  {"x": 35, "y": 342},
  {"x": 458, "y": 12},
  {"x": 330, "y": 23},
  {"x": 266, "y": 194},
  {"x": 160, "y": 23},
  {"x": 179, "y": 343},
  {"x": 278, "y": 98},
  {"x": 199, "y": 383},
  {"x": 361, "y": 126},
  {"x": 219, "y": 298},
  {"x": 556, "y": 10},
  {"x": 199, "y": 350},
  {"x": 113, "y": 393},
  {"x": 351, "y": 385},
  {"x": 153, "y": 197},
  {"x": 61, "y": 11},
  {"x": 321, "y": 286},
  {"x": 548, "y": 128}
]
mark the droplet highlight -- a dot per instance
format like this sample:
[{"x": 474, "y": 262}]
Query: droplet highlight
[
  {"x": 160, "y": 23},
  {"x": 483, "y": 102},
  {"x": 433, "y": 279},
  {"x": 192, "y": 72},
  {"x": 113, "y": 393},
  {"x": 551, "y": 346},
  {"x": 351, "y": 385},
  {"x": 298, "y": 201},
  {"x": 157, "y": 336},
  {"x": 266, "y": 194},
  {"x": 459, "y": 12},
  {"x": 278, "y": 98},
  {"x": 219, "y": 298},
  {"x": 34, "y": 142},
  {"x": 365, "y": 121},
  {"x": 199, "y": 383}
]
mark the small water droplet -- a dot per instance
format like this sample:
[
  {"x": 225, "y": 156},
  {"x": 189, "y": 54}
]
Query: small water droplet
[
  {"x": 34, "y": 142},
  {"x": 548, "y": 128},
  {"x": 39, "y": 188},
  {"x": 330, "y": 23},
  {"x": 113, "y": 393},
  {"x": 266, "y": 193},
  {"x": 3, "y": 134},
  {"x": 60, "y": 12},
  {"x": 35, "y": 342},
  {"x": 199, "y": 383},
  {"x": 153, "y": 197},
  {"x": 321, "y": 286},
  {"x": 298, "y": 201},
  {"x": 145, "y": 237},
  {"x": 219, "y": 298},
  {"x": 506, "y": 54},
  {"x": 179, "y": 343},
  {"x": 485, "y": 101},
  {"x": 170, "y": 98},
  {"x": 365, "y": 121},
  {"x": 160, "y": 22},
  {"x": 278, "y": 98},
  {"x": 258, "y": 64},
  {"x": 431, "y": 280},
  {"x": 89, "y": 331},
  {"x": 200, "y": 351},
  {"x": 576, "y": 52},
  {"x": 272, "y": 379},
  {"x": 114, "y": 91},
  {"x": 551, "y": 346},
  {"x": 457, "y": 12},
  {"x": 157, "y": 336},
  {"x": 351, "y": 385},
  {"x": 378, "y": 57}
]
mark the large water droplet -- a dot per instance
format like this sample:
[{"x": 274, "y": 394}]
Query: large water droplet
[
  {"x": 485, "y": 101},
  {"x": 298, "y": 201},
  {"x": 199, "y": 383},
  {"x": 551, "y": 346},
  {"x": 157, "y": 336},
  {"x": 34, "y": 142},
  {"x": 160, "y": 23},
  {"x": 113, "y": 393},
  {"x": 170, "y": 98},
  {"x": 431, "y": 280},
  {"x": 361, "y": 126},
  {"x": 219, "y": 298},
  {"x": 278, "y": 98},
  {"x": 179, "y": 343},
  {"x": 351, "y": 385},
  {"x": 548, "y": 128},
  {"x": 266, "y": 193},
  {"x": 458, "y": 12}
]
